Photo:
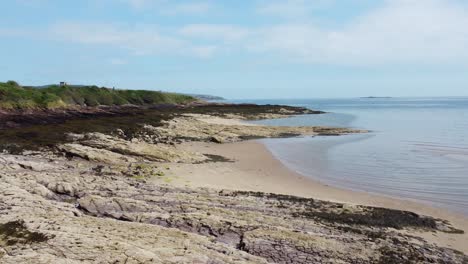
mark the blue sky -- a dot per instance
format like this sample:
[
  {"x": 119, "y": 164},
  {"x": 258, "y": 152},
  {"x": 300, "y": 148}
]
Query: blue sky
[{"x": 241, "y": 49}]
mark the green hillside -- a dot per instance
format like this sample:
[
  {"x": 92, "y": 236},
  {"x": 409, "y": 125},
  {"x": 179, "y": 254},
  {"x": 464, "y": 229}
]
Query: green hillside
[{"x": 14, "y": 96}]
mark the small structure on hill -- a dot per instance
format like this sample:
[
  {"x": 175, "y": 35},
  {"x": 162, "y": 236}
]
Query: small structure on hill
[{"x": 63, "y": 84}]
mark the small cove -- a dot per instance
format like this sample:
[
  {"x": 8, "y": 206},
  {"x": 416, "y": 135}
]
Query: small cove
[{"x": 417, "y": 150}]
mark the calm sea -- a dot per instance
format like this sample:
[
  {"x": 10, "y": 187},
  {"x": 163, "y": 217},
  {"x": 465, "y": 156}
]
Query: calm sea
[{"x": 418, "y": 147}]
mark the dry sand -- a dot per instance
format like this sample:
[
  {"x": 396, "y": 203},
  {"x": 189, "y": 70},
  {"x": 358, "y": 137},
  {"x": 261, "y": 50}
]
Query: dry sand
[{"x": 254, "y": 168}]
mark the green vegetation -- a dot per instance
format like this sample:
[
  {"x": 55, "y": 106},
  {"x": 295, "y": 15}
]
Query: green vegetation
[{"x": 14, "y": 96}]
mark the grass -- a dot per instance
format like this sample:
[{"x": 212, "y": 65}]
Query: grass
[{"x": 15, "y": 96}]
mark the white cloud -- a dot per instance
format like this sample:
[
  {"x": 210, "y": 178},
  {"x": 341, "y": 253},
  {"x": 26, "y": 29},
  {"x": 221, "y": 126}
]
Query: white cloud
[
  {"x": 142, "y": 40},
  {"x": 139, "y": 4},
  {"x": 195, "y": 8},
  {"x": 204, "y": 51},
  {"x": 402, "y": 31},
  {"x": 9, "y": 32},
  {"x": 398, "y": 32},
  {"x": 292, "y": 9},
  {"x": 212, "y": 31},
  {"x": 117, "y": 61},
  {"x": 31, "y": 3},
  {"x": 169, "y": 7}
]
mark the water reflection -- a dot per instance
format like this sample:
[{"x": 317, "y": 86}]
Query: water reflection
[{"x": 418, "y": 148}]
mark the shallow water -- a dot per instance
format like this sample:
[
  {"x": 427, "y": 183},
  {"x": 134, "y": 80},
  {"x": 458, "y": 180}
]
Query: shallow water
[{"x": 418, "y": 148}]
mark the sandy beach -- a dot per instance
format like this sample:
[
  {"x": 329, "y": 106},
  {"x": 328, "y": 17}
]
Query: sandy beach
[
  {"x": 201, "y": 188},
  {"x": 234, "y": 132},
  {"x": 254, "y": 168}
]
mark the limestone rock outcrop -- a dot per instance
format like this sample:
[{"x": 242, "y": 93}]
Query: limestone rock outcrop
[{"x": 71, "y": 212}]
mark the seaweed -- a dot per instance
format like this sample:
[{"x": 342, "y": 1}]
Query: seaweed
[
  {"x": 373, "y": 216},
  {"x": 333, "y": 213},
  {"x": 42, "y": 129},
  {"x": 390, "y": 255},
  {"x": 279, "y": 197},
  {"x": 373, "y": 235},
  {"x": 16, "y": 232},
  {"x": 215, "y": 158}
]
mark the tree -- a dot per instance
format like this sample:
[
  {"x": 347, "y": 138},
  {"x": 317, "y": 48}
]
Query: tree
[{"x": 13, "y": 83}]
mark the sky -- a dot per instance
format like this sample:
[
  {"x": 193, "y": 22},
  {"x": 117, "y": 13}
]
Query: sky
[{"x": 241, "y": 49}]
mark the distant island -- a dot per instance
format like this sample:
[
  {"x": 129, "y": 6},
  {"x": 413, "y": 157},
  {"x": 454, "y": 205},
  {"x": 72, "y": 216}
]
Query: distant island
[
  {"x": 207, "y": 97},
  {"x": 376, "y": 97}
]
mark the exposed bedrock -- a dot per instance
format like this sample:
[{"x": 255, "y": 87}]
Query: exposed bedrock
[
  {"x": 104, "y": 201},
  {"x": 84, "y": 212},
  {"x": 277, "y": 228},
  {"x": 161, "y": 143}
]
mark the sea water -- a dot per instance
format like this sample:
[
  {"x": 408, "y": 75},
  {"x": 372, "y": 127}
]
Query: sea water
[{"x": 417, "y": 148}]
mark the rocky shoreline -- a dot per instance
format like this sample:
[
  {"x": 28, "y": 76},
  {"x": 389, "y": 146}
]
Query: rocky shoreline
[
  {"x": 90, "y": 196},
  {"x": 12, "y": 118},
  {"x": 48, "y": 128}
]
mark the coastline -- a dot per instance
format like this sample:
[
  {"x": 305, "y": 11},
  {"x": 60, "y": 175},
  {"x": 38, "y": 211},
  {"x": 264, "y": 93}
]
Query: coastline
[
  {"x": 197, "y": 184},
  {"x": 254, "y": 168}
]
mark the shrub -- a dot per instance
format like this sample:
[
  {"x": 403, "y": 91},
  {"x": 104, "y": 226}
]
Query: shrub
[
  {"x": 13, "y": 83},
  {"x": 12, "y": 95}
]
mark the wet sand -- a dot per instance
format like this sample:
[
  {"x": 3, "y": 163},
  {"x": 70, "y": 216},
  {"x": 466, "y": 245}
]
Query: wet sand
[
  {"x": 254, "y": 168},
  {"x": 131, "y": 199}
]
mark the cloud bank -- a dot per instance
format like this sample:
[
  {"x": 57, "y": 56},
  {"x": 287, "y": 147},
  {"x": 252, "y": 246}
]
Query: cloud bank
[
  {"x": 401, "y": 31},
  {"x": 396, "y": 32}
]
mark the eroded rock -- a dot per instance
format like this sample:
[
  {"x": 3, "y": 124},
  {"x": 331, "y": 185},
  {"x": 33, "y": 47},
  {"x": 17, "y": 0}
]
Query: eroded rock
[
  {"x": 78, "y": 211},
  {"x": 109, "y": 149},
  {"x": 113, "y": 218},
  {"x": 199, "y": 128}
]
